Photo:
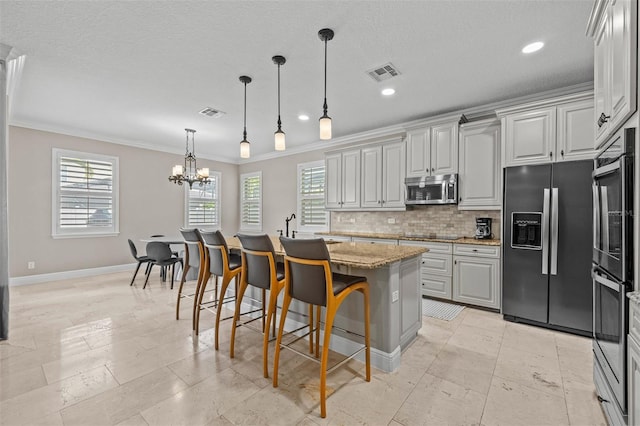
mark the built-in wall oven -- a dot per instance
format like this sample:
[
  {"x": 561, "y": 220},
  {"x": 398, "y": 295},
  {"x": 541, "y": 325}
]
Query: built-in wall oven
[{"x": 613, "y": 259}]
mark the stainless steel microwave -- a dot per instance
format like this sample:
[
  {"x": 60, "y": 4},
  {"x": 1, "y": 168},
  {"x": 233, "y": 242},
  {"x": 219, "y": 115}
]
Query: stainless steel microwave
[{"x": 440, "y": 189}]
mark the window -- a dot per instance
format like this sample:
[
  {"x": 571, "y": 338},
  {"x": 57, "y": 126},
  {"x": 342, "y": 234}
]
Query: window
[
  {"x": 85, "y": 194},
  {"x": 251, "y": 201},
  {"x": 312, "y": 216},
  {"x": 203, "y": 204}
]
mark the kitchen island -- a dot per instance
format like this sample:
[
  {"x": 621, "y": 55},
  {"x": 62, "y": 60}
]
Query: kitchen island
[{"x": 393, "y": 273}]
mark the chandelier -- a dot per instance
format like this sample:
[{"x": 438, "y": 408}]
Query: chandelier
[{"x": 189, "y": 172}]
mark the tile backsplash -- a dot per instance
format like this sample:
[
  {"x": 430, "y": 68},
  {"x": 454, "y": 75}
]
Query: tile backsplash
[{"x": 422, "y": 220}]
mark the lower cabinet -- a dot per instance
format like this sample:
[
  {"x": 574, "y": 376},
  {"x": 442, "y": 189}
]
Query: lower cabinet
[
  {"x": 634, "y": 380},
  {"x": 476, "y": 275}
]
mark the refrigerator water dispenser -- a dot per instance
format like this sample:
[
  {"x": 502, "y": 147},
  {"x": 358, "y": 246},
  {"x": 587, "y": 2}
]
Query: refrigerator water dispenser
[{"x": 526, "y": 230}]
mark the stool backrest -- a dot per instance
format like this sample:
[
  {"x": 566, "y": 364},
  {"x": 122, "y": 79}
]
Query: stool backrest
[
  {"x": 307, "y": 282},
  {"x": 257, "y": 265},
  {"x": 215, "y": 244},
  {"x": 194, "y": 244},
  {"x": 158, "y": 251}
]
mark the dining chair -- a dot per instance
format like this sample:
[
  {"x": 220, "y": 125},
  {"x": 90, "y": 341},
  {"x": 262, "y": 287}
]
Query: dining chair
[
  {"x": 193, "y": 258},
  {"x": 260, "y": 270},
  {"x": 308, "y": 278},
  {"x": 219, "y": 263},
  {"x": 160, "y": 254},
  {"x": 139, "y": 259}
]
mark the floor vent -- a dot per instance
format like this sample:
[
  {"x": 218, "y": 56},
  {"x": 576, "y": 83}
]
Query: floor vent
[
  {"x": 211, "y": 112},
  {"x": 383, "y": 72}
]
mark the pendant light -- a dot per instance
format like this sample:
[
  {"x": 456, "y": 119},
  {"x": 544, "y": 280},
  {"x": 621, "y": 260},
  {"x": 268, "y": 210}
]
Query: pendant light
[
  {"x": 245, "y": 146},
  {"x": 325, "y": 35},
  {"x": 279, "y": 134}
]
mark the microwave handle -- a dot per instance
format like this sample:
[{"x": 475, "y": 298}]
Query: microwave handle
[{"x": 545, "y": 232}]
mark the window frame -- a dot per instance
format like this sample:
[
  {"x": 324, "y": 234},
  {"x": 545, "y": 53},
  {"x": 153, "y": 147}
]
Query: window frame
[
  {"x": 59, "y": 233},
  {"x": 299, "y": 198},
  {"x": 245, "y": 226},
  {"x": 217, "y": 226}
]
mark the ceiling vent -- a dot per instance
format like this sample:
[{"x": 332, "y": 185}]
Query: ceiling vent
[
  {"x": 383, "y": 72},
  {"x": 211, "y": 112}
]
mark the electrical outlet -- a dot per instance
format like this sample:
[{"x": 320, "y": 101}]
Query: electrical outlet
[
  {"x": 395, "y": 296},
  {"x": 391, "y": 220},
  {"x": 31, "y": 265},
  {"x": 352, "y": 220}
]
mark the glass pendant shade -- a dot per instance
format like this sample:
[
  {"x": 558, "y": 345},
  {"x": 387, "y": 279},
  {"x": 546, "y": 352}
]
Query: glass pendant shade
[
  {"x": 245, "y": 149},
  {"x": 325, "y": 127},
  {"x": 280, "y": 140}
]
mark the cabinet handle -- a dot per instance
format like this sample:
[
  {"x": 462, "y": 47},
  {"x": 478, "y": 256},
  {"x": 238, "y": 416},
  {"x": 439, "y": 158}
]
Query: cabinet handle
[
  {"x": 433, "y": 170},
  {"x": 603, "y": 119},
  {"x": 550, "y": 154},
  {"x": 562, "y": 153},
  {"x": 379, "y": 202},
  {"x": 475, "y": 249},
  {"x": 455, "y": 262},
  {"x": 460, "y": 199},
  {"x": 601, "y": 399}
]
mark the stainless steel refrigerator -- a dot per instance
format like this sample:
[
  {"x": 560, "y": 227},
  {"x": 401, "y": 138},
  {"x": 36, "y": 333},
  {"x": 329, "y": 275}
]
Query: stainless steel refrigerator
[{"x": 547, "y": 246}]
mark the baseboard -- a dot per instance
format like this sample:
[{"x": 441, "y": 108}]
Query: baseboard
[
  {"x": 385, "y": 361},
  {"x": 65, "y": 275}
]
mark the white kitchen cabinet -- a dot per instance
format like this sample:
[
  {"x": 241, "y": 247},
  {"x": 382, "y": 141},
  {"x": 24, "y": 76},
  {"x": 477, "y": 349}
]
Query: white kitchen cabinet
[
  {"x": 633, "y": 364},
  {"x": 551, "y": 130},
  {"x": 371, "y": 192},
  {"x": 614, "y": 27},
  {"x": 480, "y": 171},
  {"x": 383, "y": 170},
  {"x": 342, "y": 185},
  {"x": 374, "y": 240},
  {"x": 433, "y": 150},
  {"x": 435, "y": 269},
  {"x": 476, "y": 275}
]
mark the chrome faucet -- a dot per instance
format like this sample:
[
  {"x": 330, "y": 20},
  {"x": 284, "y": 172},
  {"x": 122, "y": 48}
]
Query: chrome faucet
[{"x": 287, "y": 220}]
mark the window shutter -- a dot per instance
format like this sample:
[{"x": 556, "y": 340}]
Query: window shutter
[
  {"x": 312, "y": 215},
  {"x": 251, "y": 214},
  {"x": 203, "y": 207}
]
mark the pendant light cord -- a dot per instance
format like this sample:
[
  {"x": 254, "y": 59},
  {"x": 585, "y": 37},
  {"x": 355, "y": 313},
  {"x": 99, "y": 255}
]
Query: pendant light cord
[
  {"x": 325, "y": 77},
  {"x": 279, "y": 121},
  {"x": 244, "y": 133}
]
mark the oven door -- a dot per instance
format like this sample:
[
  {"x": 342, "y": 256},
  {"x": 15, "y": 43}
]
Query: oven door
[
  {"x": 610, "y": 219},
  {"x": 610, "y": 331}
]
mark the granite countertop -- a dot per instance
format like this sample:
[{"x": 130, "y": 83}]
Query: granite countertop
[
  {"x": 357, "y": 255},
  {"x": 461, "y": 240}
]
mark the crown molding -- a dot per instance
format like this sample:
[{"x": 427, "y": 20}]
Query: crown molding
[
  {"x": 599, "y": 6},
  {"x": 101, "y": 138}
]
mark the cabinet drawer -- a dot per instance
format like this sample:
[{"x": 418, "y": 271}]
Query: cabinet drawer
[
  {"x": 436, "y": 286},
  {"x": 374, "y": 241},
  {"x": 634, "y": 321},
  {"x": 444, "y": 248},
  {"x": 476, "y": 250},
  {"x": 438, "y": 264}
]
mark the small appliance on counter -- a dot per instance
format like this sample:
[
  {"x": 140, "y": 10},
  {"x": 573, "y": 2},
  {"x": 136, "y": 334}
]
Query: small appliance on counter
[{"x": 483, "y": 228}]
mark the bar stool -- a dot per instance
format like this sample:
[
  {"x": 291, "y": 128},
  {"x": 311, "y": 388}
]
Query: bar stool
[
  {"x": 220, "y": 263},
  {"x": 193, "y": 257},
  {"x": 308, "y": 278}
]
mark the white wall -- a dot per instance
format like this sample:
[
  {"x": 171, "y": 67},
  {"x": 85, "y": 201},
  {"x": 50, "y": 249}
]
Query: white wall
[{"x": 149, "y": 203}]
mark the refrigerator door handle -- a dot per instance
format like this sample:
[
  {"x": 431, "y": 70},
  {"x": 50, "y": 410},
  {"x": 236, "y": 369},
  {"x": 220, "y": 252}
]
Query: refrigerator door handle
[
  {"x": 554, "y": 231},
  {"x": 545, "y": 232}
]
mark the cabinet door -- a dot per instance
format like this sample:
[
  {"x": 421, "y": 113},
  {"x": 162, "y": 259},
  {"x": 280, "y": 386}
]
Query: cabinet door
[
  {"x": 601, "y": 78},
  {"x": 351, "y": 179},
  {"x": 479, "y": 179},
  {"x": 444, "y": 149},
  {"x": 436, "y": 286},
  {"x": 418, "y": 152},
  {"x": 333, "y": 181},
  {"x": 393, "y": 171},
  {"x": 576, "y": 139},
  {"x": 634, "y": 381},
  {"x": 530, "y": 137},
  {"x": 623, "y": 77},
  {"x": 371, "y": 177},
  {"x": 476, "y": 281}
]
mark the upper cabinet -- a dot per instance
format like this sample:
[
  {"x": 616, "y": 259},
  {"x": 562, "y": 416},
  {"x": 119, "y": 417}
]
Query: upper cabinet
[
  {"x": 342, "y": 184},
  {"x": 557, "y": 129},
  {"x": 367, "y": 178},
  {"x": 433, "y": 150},
  {"x": 480, "y": 171},
  {"x": 613, "y": 26}
]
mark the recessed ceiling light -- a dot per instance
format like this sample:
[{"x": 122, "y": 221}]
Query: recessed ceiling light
[
  {"x": 388, "y": 92},
  {"x": 533, "y": 47},
  {"x": 303, "y": 117}
]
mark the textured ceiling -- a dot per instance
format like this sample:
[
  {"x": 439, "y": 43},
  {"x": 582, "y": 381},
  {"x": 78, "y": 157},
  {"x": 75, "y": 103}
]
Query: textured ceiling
[{"x": 138, "y": 72}]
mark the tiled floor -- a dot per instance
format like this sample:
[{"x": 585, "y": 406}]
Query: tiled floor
[{"x": 95, "y": 351}]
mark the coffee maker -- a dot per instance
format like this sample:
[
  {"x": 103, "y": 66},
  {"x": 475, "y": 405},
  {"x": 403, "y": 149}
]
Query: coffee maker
[{"x": 483, "y": 228}]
